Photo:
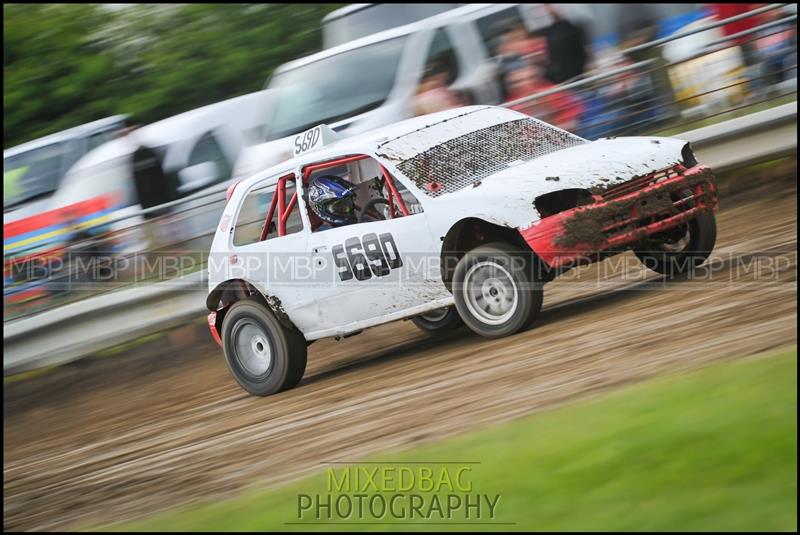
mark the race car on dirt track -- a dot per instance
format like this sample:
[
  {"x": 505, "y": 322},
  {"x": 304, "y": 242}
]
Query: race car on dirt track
[{"x": 460, "y": 216}]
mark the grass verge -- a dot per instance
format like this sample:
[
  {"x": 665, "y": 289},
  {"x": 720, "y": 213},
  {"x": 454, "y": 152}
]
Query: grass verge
[{"x": 714, "y": 449}]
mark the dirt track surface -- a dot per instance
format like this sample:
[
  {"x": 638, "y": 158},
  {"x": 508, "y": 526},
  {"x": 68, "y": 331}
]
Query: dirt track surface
[{"x": 116, "y": 438}]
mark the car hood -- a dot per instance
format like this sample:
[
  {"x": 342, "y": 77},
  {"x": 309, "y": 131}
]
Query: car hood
[
  {"x": 506, "y": 197},
  {"x": 595, "y": 165}
]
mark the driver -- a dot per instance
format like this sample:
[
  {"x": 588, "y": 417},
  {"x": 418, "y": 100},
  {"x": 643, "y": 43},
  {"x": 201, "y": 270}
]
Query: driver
[{"x": 332, "y": 199}]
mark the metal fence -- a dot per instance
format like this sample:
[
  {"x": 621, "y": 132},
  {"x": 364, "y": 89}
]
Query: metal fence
[{"x": 744, "y": 70}]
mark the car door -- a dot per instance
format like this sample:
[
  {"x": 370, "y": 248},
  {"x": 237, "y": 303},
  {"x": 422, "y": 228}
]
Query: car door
[
  {"x": 279, "y": 265},
  {"x": 367, "y": 271}
]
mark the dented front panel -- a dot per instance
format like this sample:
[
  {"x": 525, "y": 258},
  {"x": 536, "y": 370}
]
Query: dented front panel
[{"x": 582, "y": 233}]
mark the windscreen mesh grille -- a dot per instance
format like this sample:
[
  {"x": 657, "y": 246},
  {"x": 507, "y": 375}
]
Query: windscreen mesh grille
[{"x": 465, "y": 160}]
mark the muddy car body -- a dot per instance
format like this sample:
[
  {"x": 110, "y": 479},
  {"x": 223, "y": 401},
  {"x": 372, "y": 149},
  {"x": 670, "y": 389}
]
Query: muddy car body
[{"x": 480, "y": 207}]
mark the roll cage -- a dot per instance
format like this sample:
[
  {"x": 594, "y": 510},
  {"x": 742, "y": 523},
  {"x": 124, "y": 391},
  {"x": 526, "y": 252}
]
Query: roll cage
[{"x": 279, "y": 206}]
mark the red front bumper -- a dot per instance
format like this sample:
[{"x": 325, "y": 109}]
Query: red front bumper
[
  {"x": 212, "y": 325},
  {"x": 623, "y": 215}
]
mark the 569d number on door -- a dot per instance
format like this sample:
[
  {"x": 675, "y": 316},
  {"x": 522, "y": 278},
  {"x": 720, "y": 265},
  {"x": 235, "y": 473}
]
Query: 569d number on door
[{"x": 366, "y": 257}]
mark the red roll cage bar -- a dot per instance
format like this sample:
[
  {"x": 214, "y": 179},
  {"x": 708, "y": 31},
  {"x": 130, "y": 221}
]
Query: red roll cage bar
[{"x": 284, "y": 211}]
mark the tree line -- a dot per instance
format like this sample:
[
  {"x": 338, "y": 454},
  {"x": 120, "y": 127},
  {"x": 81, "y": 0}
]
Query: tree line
[{"x": 68, "y": 64}]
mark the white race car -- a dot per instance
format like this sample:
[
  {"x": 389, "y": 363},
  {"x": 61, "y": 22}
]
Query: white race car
[{"x": 463, "y": 216}]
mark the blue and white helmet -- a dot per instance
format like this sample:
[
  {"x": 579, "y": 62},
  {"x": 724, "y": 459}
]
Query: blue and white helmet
[{"x": 333, "y": 200}]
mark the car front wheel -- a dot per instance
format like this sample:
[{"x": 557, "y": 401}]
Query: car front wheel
[
  {"x": 264, "y": 356},
  {"x": 495, "y": 291},
  {"x": 680, "y": 250}
]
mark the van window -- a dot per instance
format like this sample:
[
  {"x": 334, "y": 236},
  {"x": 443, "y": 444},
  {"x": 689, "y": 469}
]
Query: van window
[
  {"x": 208, "y": 150},
  {"x": 334, "y": 88},
  {"x": 352, "y": 22},
  {"x": 491, "y": 27},
  {"x": 99, "y": 138},
  {"x": 32, "y": 173},
  {"x": 442, "y": 55}
]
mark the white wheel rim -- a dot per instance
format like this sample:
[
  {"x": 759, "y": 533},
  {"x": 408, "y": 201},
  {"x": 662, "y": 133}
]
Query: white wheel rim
[
  {"x": 251, "y": 347},
  {"x": 490, "y": 293}
]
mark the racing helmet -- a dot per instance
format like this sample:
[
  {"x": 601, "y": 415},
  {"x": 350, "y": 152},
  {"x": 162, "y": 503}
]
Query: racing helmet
[{"x": 333, "y": 199}]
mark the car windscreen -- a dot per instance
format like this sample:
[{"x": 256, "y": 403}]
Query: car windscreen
[
  {"x": 32, "y": 174},
  {"x": 334, "y": 88},
  {"x": 452, "y": 164}
]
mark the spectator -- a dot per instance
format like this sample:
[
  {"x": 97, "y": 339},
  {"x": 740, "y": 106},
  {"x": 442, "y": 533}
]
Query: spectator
[
  {"x": 517, "y": 45},
  {"x": 776, "y": 50},
  {"x": 637, "y": 27},
  {"x": 433, "y": 93},
  {"x": 562, "y": 108},
  {"x": 745, "y": 43},
  {"x": 516, "y": 50},
  {"x": 726, "y": 11},
  {"x": 566, "y": 48}
]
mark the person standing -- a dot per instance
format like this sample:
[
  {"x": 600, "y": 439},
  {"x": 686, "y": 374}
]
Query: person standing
[
  {"x": 566, "y": 48},
  {"x": 638, "y": 26}
]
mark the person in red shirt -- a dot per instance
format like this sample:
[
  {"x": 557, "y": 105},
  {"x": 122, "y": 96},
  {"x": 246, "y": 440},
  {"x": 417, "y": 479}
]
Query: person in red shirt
[
  {"x": 725, "y": 11},
  {"x": 562, "y": 108}
]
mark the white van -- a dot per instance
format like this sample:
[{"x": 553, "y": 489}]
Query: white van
[
  {"x": 359, "y": 20},
  {"x": 370, "y": 82},
  {"x": 33, "y": 171},
  {"x": 149, "y": 166}
]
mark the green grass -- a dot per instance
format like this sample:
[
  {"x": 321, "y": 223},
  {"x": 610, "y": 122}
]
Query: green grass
[{"x": 714, "y": 449}]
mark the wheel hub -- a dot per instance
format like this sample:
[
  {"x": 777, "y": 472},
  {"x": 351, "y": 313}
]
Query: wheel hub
[
  {"x": 491, "y": 294},
  {"x": 252, "y": 348}
]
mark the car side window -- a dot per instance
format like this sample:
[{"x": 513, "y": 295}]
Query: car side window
[
  {"x": 208, "y": 150},
  {"x": 411, "y": 202},
  {"x": 295, "y": 221},
  {"x": 256, "y": 207},
  {"x": 252, "y": 214},
  {"x": 378, "y": 195}
]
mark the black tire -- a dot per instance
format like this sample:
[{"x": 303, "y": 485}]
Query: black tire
[
  {"x": 680, "y": 250},
  {"x": 261, "y": 373},
  {"x": 515, "y": 283},
  {"x": 439, "y": 320}
]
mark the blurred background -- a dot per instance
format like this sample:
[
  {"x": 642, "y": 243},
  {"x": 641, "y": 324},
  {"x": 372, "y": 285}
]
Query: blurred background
[{"x": 124, "y": 124}]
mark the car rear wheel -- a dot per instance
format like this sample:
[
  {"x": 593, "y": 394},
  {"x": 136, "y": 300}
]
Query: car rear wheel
[
  {"x": 439, "y": 320},
  {"x": 263, "y": 356},
  {"x": 680, "y": 250},
  {"x": 495, "y": 291}
]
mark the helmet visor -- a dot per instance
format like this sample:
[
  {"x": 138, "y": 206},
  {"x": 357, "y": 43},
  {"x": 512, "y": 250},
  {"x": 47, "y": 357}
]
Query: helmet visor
[{"x": 342, "y": 207}]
